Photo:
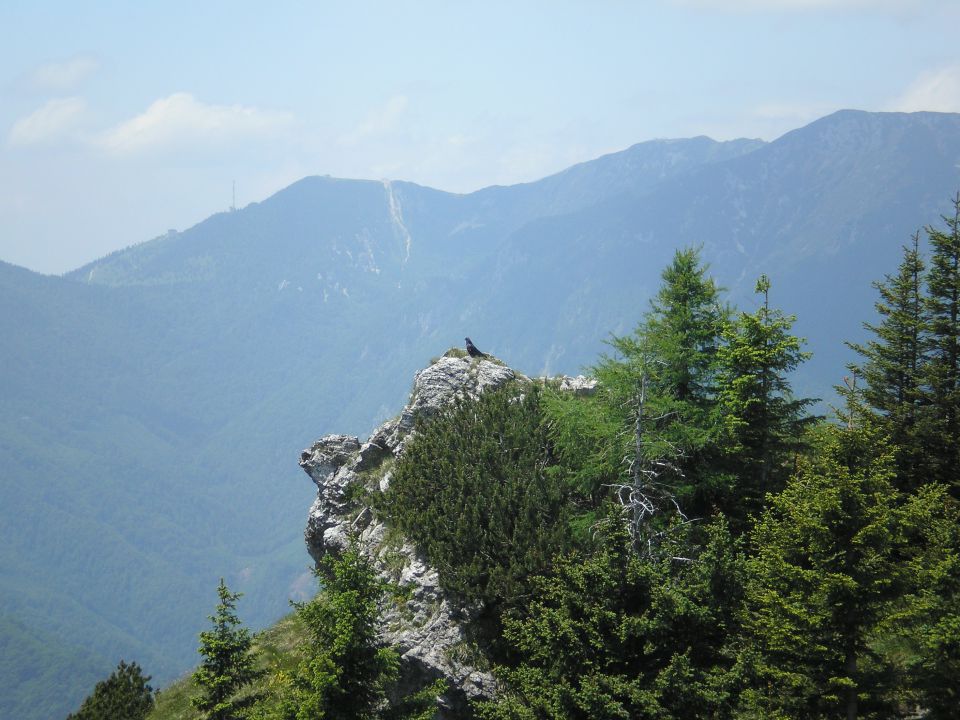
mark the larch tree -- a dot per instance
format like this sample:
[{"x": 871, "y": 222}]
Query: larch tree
[{"x": 670, "y": 361}]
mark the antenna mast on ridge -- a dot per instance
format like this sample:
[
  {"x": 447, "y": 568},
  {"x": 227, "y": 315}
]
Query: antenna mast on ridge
[{"x": 233, "y": 204}]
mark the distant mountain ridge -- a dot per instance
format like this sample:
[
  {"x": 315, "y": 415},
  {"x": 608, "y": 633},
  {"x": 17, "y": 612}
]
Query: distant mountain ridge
[
  {"x": 156, "y": 400},
  {"x": 437, "y": 213}
]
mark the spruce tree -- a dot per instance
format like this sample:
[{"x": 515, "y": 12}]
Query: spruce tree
[
  {"x": 830, "y": 570},
  {"x": 125, "y": 695},
  {"x": 228, "y": 664},
  {"x": 348, "y": 672},
  {"x": 929, "y": 623},
  {"x": 763, "y": 421},
  {"x": 682, "y": 330},
  {"x": 894, "y": 364},
  {"x": 942, "y": 371}
]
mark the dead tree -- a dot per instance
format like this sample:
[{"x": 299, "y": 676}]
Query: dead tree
[{"x": 646, "y": 497}]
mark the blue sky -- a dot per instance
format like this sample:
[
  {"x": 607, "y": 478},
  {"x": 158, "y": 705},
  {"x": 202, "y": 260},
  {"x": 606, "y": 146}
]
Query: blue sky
[{"x": 121, "y": 120}]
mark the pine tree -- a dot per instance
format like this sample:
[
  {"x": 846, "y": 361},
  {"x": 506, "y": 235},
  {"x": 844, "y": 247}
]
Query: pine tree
[
  {"x": 763, "y": 421},
  {"x": 125, "y": 695},
  {"x": 894, "y": 364},
  {"x": 613, "y": 635},
  {"x": 943, "y": 348},
  {"x": 228, "y": 664},
  {"x": 473, "y": 491}
]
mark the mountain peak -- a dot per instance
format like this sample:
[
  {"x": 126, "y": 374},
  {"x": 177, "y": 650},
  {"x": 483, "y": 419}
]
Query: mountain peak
[{"x": 851, "y": 124}]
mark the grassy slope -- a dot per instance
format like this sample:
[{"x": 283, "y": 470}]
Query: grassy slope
[{"x": 277, "y": 648}]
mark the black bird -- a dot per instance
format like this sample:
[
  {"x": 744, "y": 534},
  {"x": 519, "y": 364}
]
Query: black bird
[{"x": 472, "y": 349}]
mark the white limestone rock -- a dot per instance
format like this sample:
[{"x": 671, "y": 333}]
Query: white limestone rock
[
  {"x": 579, "y": 385},
  {"x": 428, "y": 628}
]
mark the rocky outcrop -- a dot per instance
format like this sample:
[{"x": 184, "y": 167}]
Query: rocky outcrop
[
  {"x": 579, "y": 385},
  {"x": 428, "y": 627}
]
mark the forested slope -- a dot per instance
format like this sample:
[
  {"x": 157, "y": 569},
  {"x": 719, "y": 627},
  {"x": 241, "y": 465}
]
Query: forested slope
[{"x": 683, "y": 540}]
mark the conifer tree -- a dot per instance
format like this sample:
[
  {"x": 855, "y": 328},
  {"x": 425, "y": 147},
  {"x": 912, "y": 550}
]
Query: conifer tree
[
  {"x": 672, "y": 354},
  {"x": 943, "y": 367},
  {"x": 348, "y": 672},
  {"x": 228, "y": 664},
  {"x": 613, "y": 635},
  {"x": 682, "y": 330},
  {"x": 125, "y": 695},
  {"x": 929, "y": 623},
  {"x": 763, "y": 421},
  {"x": 894, "y": 364},
  {"x": 829, "y": 571},
  {"x": 473, "y": 491}
]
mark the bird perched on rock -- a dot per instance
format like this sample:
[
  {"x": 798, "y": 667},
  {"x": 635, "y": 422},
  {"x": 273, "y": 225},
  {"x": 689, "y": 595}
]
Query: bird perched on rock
[{"x": 472, "y": 349}]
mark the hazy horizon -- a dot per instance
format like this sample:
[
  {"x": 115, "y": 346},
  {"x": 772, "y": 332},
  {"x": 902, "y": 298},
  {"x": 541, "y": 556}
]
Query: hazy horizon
[{"x": 118, "y": 124}]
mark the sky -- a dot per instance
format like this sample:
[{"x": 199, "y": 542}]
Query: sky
[{"x": 119, "y": 121}]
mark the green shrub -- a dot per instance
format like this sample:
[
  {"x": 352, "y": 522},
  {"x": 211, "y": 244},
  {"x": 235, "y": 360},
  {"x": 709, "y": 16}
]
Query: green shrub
[{"x": 473, "y": 491}]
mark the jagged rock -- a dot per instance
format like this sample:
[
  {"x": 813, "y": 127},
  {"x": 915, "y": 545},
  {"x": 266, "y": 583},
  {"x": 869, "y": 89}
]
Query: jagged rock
[
  {"x": 441, "y": 382},
  {"x": 326, "y": 456},
  {"x": 579, "y": 385},
  {"x": 326, "y": 462},
  {"x": 428, "y": 628}
]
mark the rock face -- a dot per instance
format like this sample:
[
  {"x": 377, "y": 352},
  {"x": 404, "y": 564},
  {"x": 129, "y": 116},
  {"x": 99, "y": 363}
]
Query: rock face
[{"x": 428, "y": 627}]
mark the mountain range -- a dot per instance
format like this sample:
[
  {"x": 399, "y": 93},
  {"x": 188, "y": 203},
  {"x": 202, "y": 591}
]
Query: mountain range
[{"x": 155, "y": 401}]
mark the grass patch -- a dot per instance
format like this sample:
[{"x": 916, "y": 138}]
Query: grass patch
[
  {"x": 364, "y": 491},
  {"x": 278, "y": 651}
]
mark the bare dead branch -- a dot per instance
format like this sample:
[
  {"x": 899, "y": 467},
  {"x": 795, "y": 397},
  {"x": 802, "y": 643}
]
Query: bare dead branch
[{"x": 647, "y": 491}]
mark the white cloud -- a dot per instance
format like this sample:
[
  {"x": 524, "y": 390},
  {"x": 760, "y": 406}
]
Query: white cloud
[
  {"x": 937, "y": 90},
  {"x": 181, "y": 120},
  {"x": 53, "y": 121},
  {"x": 63, "y": 76},
  {"x": 380, "y": 121}
]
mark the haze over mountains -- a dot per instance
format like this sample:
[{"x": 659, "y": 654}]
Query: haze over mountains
[{"x": 156, "y": 400}]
